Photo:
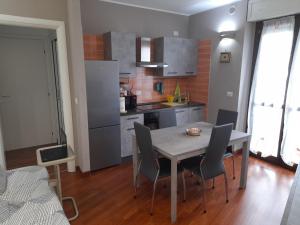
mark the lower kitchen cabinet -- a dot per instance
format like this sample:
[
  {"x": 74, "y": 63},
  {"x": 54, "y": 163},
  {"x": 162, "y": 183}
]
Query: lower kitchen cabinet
[
  {"x": 189, "y": 115},
  {"x": 196, "y": 114},
  {"x": 127, "y": 129},
  {"x": 182, "y": 116}
]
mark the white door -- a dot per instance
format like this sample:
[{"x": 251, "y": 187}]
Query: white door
[{"x": 24, "y": 107}]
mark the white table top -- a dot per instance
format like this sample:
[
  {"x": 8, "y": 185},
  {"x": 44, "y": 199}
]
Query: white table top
[{"x": 173, "y": 142}]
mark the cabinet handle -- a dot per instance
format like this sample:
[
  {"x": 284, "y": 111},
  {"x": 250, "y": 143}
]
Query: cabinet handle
[
  {"x": 129, "y": 129},
  {"x": 190, "y": 72},
  {"x": 172, "y": 72},
  {"x": 133, "y": 118},
  {"x": 180, "y": 111},
  {"x": 124, "y": 73},
  {"x": 197, "y": 109}
]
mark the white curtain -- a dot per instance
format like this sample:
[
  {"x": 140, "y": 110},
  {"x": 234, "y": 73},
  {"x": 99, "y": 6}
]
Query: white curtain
[
  {"x": 290, "y": 149},
  {"x": 269, "y": 85}
]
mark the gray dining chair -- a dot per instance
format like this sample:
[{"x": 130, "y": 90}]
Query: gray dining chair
[
  {"x": 226, "y": 117},
  {"x": 167, "y": 118},
  {"x": 150, "y": 165},
  {"x": 212, "y": 163}
]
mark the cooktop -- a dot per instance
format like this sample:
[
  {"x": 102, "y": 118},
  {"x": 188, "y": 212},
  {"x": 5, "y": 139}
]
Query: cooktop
[{"x": 150, "y": 107}]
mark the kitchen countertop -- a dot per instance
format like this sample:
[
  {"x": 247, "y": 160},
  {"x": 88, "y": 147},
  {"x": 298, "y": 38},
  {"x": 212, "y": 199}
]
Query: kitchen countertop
[{"x": 137, "y": 111}]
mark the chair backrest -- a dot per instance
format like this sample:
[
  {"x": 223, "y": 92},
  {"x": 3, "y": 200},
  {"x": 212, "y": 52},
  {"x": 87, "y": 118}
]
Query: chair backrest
[
  {"x": 167, "y": 118},
  {"x": 149, "y": 164},
  {"x": 212, "y": 164},
  {"x": 226, "y": 116}
]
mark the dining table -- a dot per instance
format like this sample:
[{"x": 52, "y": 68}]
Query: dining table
[{"x": 173, "y": 143}]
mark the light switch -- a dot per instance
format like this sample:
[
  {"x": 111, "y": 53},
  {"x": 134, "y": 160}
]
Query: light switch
[
  {"x": 229, "y": 94},
  {"x": 175, "y": 33},
  {"x": 76, "y": 101},
  {"x": 138, "y": 92}
]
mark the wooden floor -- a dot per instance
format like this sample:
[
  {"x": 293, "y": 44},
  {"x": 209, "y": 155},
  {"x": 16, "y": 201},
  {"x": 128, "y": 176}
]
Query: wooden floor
[
  {"x": 106, "y": 198},
  {"x": 22, "y": 157}
]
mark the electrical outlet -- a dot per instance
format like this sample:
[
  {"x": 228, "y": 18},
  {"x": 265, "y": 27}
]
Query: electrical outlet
[{"x": 229, "y": 94}]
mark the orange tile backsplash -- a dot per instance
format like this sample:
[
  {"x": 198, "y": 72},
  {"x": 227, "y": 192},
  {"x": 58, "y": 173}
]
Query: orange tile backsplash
[{"x": 144, "y": 81}]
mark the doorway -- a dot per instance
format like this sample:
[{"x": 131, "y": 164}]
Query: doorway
[
  {"x": 28, "y": 91},
  {"x": 59, "y": 28},
  {"x": 273, "y": 116}
]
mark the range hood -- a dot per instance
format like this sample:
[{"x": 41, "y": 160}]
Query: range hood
[{"x": 143, "y": 54}]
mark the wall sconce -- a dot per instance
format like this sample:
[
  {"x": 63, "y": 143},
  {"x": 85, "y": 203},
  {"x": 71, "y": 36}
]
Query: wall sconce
[{"x": 227, "y": 34}]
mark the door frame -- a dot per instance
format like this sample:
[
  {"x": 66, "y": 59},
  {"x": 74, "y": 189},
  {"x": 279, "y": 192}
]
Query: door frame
[{"x": 59, "y": 27}]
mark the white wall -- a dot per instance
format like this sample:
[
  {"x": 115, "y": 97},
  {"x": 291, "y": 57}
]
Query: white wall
[
  {"x": 99, "y": 17},
  {"x": 79, "y": 84},
  {"x": 224, "y": 77},
  {"x": 2, "y": 156},
  {"x": 245, "y": 79}
]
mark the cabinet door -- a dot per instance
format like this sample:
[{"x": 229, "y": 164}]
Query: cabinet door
[
  {"x": 180, "y": 54},
  {"x": 190, "y": 57},
  {"x": 122, "y": 47},
  {"x": 104, "y": 147},
  {"x": 126, "y": 142},
  {"x": 182, "y": 116},
  {"x": 172, "y": 56},
  {"x": 196, "y": 114},
  {"x": 127, "y": 129}
]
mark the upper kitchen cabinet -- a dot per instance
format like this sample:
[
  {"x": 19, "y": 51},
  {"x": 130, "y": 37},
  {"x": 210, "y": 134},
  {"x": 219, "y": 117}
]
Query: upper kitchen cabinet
[
  {"x": 190, "y": 56},
  {"x": 180, "y": 54},
  {"x": 121, "y": 47}
]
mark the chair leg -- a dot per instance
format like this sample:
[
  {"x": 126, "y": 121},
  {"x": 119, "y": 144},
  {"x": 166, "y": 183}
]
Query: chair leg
[
  {"x": 203, "y": 196},
  {"x": 213, "y": 184},
  {"x": 233, "y": 167},
  {"x": 153, "y": 194},
  {"x": 184, "y": 186},
  {"x": 226, "y": 187},
  {"x": 203, "y": 191},
  {"x": 137, "y": 180}
]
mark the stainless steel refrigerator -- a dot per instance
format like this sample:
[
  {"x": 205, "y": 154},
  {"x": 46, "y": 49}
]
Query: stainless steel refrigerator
[{"x": 102, "y": 82}]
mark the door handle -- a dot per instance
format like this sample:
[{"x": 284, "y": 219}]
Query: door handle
[
  {"x": 172, "y": 72},
  {"x": 197, "y": 109},
  {"x": 5, "y": 96},
  {"x": 133, "y": 118}
]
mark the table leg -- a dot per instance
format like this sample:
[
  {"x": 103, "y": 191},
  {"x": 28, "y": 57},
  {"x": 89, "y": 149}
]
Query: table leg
[
  {"x": 173, "y": 189},
  {"x": 244, "y": 167},
  {"x": 134, "y": 159}
]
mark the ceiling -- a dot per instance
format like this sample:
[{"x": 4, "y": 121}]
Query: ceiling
[{"x": 182, "y": 7}]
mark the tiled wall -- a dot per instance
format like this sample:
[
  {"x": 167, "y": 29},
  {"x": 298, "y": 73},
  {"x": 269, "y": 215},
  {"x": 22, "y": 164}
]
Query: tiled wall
[
  {"x": 144, "y": 81},
  {"x": 93, "y": 47},
  {"x": 199, "y": 85}
]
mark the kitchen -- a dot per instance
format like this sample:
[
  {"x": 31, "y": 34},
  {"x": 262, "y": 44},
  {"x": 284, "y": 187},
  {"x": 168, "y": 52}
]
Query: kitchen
[
  {"x": 142, "y": 74},
  {"x": 151, "y": 70}
]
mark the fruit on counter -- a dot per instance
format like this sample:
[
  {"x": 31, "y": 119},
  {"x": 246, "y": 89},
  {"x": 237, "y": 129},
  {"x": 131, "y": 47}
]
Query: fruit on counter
[{"x": 170, "y": 98}]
